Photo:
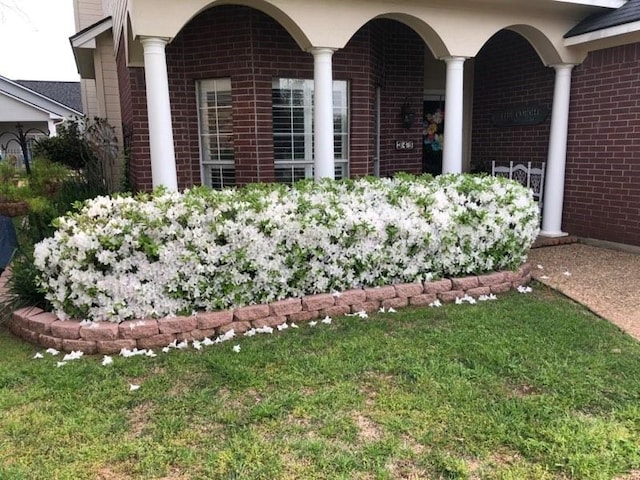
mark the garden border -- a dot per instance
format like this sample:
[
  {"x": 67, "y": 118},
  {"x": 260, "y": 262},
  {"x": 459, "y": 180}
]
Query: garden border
[{"x": 45, "y": 329}]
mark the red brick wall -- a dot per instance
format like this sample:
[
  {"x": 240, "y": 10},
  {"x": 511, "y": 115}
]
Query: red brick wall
[
  {"x": 402, "y": 71},
  {"x": 602, "y": 195},
  {"x": 133, "y": 104},
  {"x": 251, "y": 48},
  {"x": 253, "y": 52},
  {"x": 508, "y": 74}
]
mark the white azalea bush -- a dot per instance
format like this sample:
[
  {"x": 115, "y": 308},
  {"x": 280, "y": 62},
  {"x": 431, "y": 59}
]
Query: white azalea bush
[{"x": 170, "y": 253}]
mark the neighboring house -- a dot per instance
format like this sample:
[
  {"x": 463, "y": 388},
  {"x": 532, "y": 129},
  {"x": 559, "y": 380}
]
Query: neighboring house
[
  {"x": 31, "y": 109},
  {"x": 221, "y": 93}
]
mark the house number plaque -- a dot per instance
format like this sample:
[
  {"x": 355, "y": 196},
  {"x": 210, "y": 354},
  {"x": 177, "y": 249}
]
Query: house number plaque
[{"x": 404, "y": 144}]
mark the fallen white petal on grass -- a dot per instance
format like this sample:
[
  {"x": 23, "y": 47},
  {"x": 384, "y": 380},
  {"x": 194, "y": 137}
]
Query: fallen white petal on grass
[
  {"x": 250, "y": 333},
  {"x": 381, "y": 310},
  {"x": 436, "y": 303},
  {"x": 486, "y": 298},
  {"x": 74, "y": 355},
  {"x": 469, "y": 299},
  {"x": 38, "y": 355},
  {"x": 197, "y": 345},
  {"x": 165, "y": 349},
  {"x": 52, "y": 351},
  {"x": 236, "y": 348},
  {"x": 391, "y": 310},
  {"x": 326, "y": 320},
  {"x": 106, "y": 360},
  {"x": 207, "y": 342},
  {"x": 126, "y": 353},
  {"x": 282, "y": 326},
  {"x": 361, "y": 314},
  {"x": 265, "y": 329},
  {"x": 293, "y": 325},
  {"x": 228, "y": 335},
  {"x": 133, "y": 388},
  {"x": 61, "y": 364},
  {"x": 150, "y": 353},
  {"x": 523, "y": 289},
  {"x": 182, "y": 345},
  {"x": 313, "y": 323}
]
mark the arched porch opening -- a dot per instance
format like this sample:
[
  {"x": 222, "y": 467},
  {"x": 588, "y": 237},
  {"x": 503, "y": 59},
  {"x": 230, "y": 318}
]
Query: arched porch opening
[{"x": 512, "y": 102}]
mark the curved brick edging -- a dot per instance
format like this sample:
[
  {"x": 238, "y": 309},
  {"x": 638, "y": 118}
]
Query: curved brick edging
[{"x": 44, "y": 329}]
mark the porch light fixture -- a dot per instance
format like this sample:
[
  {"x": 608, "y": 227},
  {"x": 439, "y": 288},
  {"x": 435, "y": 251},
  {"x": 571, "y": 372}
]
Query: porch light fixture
[{"x": 406, "y": 113}]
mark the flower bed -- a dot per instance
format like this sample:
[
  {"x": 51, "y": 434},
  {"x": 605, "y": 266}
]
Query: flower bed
[
  {"x": 45, "y": 329},
  {"x": 169, "y": 254}
]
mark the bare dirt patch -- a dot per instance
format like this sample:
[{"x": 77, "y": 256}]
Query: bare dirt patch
[
  {"x": 404, "y": 469},
  {"x": 138, "y": 418},
  {"x": 632, "y": 475},
  {"x": 368, "y": 431}
]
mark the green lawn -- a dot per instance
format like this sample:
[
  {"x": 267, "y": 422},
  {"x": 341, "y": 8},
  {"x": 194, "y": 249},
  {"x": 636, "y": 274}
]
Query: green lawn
[{"x": 526, "y": 387}]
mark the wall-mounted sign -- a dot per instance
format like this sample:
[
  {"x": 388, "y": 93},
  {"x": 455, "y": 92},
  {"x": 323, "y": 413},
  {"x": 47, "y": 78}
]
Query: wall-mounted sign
[
  {"x": 404, "y": 144},
  {"x": 517, "y": 116}
]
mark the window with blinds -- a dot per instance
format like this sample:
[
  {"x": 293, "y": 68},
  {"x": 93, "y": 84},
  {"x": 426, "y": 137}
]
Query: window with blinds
[
  {"x": 293, "y": 129},
  {"x": 215, "y": 117}
]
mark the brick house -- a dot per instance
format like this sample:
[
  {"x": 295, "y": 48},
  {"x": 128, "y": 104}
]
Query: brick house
[{"x": 225, "y": 93}]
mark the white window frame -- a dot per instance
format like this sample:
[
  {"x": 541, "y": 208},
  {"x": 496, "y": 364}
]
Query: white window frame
[
  {"x": 303, "y": 167},
  {"x": 214, "y": 160}
]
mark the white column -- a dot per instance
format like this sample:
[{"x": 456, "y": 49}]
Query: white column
[
  {"x": 453, "y": 104},
  {"x": 557, "y": 157},
  {"x": 323, "y": 113},
  {"x": 52, "y": 127},
  {"x": 163, "y": 158}
]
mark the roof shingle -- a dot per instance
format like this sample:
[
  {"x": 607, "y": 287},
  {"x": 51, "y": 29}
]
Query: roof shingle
[
  {"x": 66, "y": 93},
  {"x": 628, "y": 13}
]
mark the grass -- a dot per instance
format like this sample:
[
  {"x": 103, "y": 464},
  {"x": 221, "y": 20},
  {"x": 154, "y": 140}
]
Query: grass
[{"x": 527, "y": 387}]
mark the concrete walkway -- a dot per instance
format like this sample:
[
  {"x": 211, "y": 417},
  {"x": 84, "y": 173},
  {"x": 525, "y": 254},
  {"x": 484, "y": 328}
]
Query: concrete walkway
[{"x": 606, "y": 281}]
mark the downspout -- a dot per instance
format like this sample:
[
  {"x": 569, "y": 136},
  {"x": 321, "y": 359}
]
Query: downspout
[{"x": 376, "y": 159}]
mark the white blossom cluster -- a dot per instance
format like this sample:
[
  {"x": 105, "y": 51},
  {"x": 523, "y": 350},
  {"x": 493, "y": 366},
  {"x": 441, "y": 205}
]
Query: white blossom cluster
[{"x": 172, "y": 253}]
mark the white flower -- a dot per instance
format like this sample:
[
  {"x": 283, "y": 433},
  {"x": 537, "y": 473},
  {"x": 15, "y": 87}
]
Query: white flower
[
  {"x": 236, "y": 348},
  {"x": 523, "y": 289},
  {"x": 265, "y": 329},
  {"x": 197, "y": 345},
  {"x": 313, "y": 323},
  {"x": 198, "y": 243},
  {"x": 326, "y": 320},
  {"x": 207, "y": 342},
  {"x": 381, "y": 310},
  {"x": 293, "y": 325},
  {"x": 182, "y": 345},
  {"x": 150, "y": 353},
  {"x": 61, "y": 364},
  {"x": 436, "y": 303},
  {"x": 38, "y": 355},
  {"x": 74, "y": 355},
  {"x": 391, "y": 310},
  {"x": 107, "y": 360},
  {"x": 282, "y": 326},
  {"x": 165, "y": 349},
  {"x": 52, "y": 351},
  {"x": 133, "y": 388}
]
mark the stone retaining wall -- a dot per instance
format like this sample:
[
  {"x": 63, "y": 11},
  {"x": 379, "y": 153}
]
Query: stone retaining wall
[{"x": 45, "y": 329}]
